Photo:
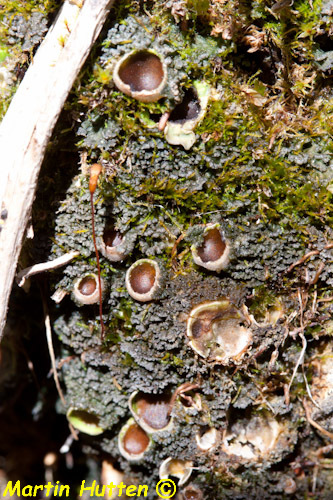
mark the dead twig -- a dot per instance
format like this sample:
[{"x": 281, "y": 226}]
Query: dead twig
[
  {"x": 314, "y": 423},
  {"x": 308, "y": 390},
  {"x": 325, "y": 299},
  {"x": 63, "y": 361},
  {"x": 174, "y": 249},
  {"x": 304, "y": 342},
  {"x": 307, "y": 256},
  {"x": 45, "y": 266},
  {"x": 303, "y": 259},
  {"x": 318, "y": 273},
  {"x": 51, "y": 350},
  {"x": 186, "y": 387},
  {"x": 275, "y": 353},
  {"x": 53, "y": 360},
  {"x": 300, "y": 359}
]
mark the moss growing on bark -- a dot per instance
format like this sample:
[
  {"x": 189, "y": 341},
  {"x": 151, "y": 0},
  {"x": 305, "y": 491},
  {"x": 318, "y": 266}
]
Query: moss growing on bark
[
  {"x": 266, "y": 181},
  {"x": 260, "y": 167}
]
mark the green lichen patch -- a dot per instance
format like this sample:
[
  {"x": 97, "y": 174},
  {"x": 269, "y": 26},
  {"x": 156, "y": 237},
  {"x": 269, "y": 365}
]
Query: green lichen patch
[{"x": 23, "y": 26}]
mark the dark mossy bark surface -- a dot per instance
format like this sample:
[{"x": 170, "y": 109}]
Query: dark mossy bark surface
[{"x": 256, "y": 162}]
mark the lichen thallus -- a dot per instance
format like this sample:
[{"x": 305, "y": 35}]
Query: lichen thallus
[{"x": 95, "y": 171}]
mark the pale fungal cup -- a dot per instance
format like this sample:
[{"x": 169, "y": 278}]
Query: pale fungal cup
[
  {"x": 84, "y": 421},
  {"x": 213, "y": 253},
  {"x": 141, "y": 74},
  {"x": 181, "y": 469},
  {"x": 86, "y": 289},
  {"x": 143, "y": 280},
  {"x": 217, "y": 331}
]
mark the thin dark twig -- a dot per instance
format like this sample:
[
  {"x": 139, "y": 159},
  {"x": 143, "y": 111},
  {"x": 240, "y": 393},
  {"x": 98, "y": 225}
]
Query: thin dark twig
[
  {"x": 318, "y": 273},
  {"x": 303, "y": 259},
  {"x": 98, "y": 264},
  {"x": 185, "y": 387}
]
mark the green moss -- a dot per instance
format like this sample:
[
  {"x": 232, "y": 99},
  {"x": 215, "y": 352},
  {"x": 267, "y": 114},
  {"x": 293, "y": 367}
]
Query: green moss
[
  {"x": 120, "y": 325},
  {"x": 128, "y": 361},
  {"x": 173, "y": 360}
]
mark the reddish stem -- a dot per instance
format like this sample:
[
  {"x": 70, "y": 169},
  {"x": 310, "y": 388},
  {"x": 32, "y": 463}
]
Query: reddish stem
[{"x": 98, "y": 264}]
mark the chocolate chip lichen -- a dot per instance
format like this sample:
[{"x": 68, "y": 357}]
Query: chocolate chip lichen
[
  {"x": 213, "y": 252},
  {"x": 144, "y": 280},
  {"x": 141, "y": 74},
  {"x": 215, "y": 246},
  {"x": 86, "y": 289},
  {"x": 133, "y": 441}
]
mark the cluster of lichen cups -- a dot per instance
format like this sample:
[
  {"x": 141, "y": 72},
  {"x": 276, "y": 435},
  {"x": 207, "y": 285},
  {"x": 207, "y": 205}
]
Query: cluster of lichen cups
[
  {"x": 250, "y": 440},
  {"x": 217, "y": 330},
  {"x": 144, "y": 278},
  {"x": 150, "y": 414},
  {"x": 142, "y": 75}
]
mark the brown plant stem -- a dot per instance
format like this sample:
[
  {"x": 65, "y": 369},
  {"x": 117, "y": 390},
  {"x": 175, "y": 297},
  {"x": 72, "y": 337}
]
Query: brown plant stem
[{"x": 95, "y": 171}]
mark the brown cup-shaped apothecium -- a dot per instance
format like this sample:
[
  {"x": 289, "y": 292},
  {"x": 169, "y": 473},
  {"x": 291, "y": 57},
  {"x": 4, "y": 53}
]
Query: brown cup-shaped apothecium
[
  {"x": 143, "y": 280},
  {"x": 86, "y": 289},
  {"x": 151, "y": 411},
  {"x": 133, "y": 441},
  {"x": 141, "y": 74},
  {"x": 213, "y": 252}
]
